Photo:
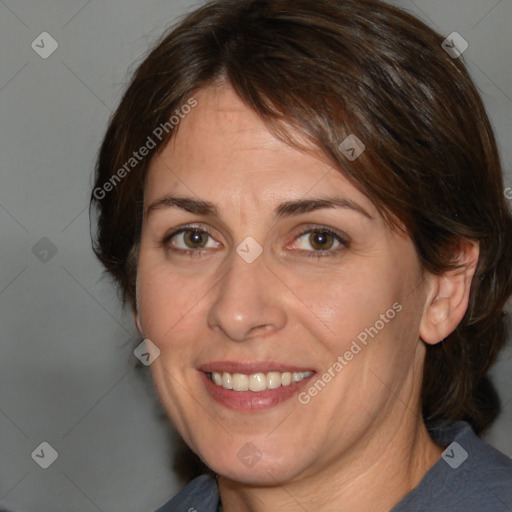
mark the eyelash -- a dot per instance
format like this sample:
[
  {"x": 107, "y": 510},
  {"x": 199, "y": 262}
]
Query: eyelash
[{"x": 314, "y": 254}]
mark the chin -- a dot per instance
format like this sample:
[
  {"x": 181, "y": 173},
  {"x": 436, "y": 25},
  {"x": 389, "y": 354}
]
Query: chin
[{"x": 251, "y": 466}]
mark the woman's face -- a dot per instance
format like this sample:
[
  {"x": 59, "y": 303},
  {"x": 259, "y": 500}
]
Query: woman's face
[{"x": 260, "y": 292}]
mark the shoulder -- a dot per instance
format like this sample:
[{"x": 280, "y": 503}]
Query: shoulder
[
  {"x": 470, "y": 475},
  {"x": 466, "y": 455},
  {"x": 491, "y": 470},
  {"x": 200, "y": 495}
]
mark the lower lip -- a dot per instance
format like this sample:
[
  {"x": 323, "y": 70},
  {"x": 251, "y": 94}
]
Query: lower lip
[{"x": 251, "y": 400}]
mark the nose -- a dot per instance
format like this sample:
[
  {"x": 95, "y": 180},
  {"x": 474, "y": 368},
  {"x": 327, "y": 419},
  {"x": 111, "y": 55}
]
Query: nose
[{"x": 247, "y": 301}]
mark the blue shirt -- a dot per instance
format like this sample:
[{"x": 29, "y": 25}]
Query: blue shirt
[{"x": 470, "y": 476}]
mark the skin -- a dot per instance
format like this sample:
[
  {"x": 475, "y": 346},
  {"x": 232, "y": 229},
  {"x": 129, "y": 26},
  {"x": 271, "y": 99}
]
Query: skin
[{"x": 360, "y": 444}]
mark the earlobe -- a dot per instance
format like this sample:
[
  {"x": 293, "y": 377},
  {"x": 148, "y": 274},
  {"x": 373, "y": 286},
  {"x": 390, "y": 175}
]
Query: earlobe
[
  {"x": 448, "y": 298},
  {"x": 439, "y": 310},
  {"x": 434, "y": 322},
  {"x": 138, "y": 324},
  {"x": 136, "y": 315}
]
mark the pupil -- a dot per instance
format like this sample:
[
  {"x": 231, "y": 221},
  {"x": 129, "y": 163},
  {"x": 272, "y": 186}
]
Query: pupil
[
  {"x": 195, "y": 237},
  {"x": 320, "y": 239}
]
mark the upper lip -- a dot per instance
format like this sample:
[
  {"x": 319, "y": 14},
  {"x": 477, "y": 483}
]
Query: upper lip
[{"x": 250, "y": 368}]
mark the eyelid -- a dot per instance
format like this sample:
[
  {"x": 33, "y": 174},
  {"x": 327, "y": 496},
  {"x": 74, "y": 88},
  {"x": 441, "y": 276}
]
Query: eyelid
[
  {"x": 177, "y": 231},
  {"x": 341, "y": 237},
  {"x": 197, "y": 226}
]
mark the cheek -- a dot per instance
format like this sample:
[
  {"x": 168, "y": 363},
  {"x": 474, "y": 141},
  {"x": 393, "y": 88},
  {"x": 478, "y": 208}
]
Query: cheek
[
  {"x": 365, "y": 313},
  {"x": 343, "y": 304},
  {"x": 167, "y": 302}
]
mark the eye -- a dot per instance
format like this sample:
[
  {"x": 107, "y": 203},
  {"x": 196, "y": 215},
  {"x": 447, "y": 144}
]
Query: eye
[
  {"x": 322, "y": 240},
  {"x": 193, "y": 241},
  {"x": 188, "y": 241}
]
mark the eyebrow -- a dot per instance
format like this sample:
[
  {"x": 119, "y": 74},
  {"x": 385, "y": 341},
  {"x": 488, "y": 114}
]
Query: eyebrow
[{"x": 286, "y": 209}]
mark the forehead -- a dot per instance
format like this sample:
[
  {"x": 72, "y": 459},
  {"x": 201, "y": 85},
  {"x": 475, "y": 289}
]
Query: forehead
[{"x": 224, "y": 151}]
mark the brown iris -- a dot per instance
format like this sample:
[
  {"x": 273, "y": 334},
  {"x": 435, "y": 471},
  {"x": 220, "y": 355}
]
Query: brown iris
[
  {"x": 195, "y": 239},
  {"x": 319, "y": 239}
]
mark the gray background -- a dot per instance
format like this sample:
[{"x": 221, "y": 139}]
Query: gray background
[{"x": 67, "y": 367}]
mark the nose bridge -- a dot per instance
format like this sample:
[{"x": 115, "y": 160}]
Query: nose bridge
[{"x": 245, "y": 300}]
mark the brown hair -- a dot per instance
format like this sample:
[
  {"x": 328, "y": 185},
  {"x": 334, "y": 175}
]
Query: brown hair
[{"x": 330, "y": 69}]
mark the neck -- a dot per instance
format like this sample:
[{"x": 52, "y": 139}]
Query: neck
[{"x": 374, "y": 478}]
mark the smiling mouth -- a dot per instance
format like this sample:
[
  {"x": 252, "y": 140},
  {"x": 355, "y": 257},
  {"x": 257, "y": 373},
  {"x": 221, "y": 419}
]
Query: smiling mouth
[{"x": 256, "y": 382}]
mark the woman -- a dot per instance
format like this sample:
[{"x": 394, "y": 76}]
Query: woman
[{"x": 303, "y": 204}]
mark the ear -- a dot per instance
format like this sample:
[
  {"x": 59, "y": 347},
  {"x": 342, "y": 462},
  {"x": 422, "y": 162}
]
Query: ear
[
  {"x": 136, "y": 316},
  {"x": 448, "y": 295},
  {"x": 138, "y": 325}
]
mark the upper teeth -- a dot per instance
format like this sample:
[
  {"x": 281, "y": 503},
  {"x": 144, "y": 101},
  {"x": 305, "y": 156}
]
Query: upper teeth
[{"x": 257, "y": 381}]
